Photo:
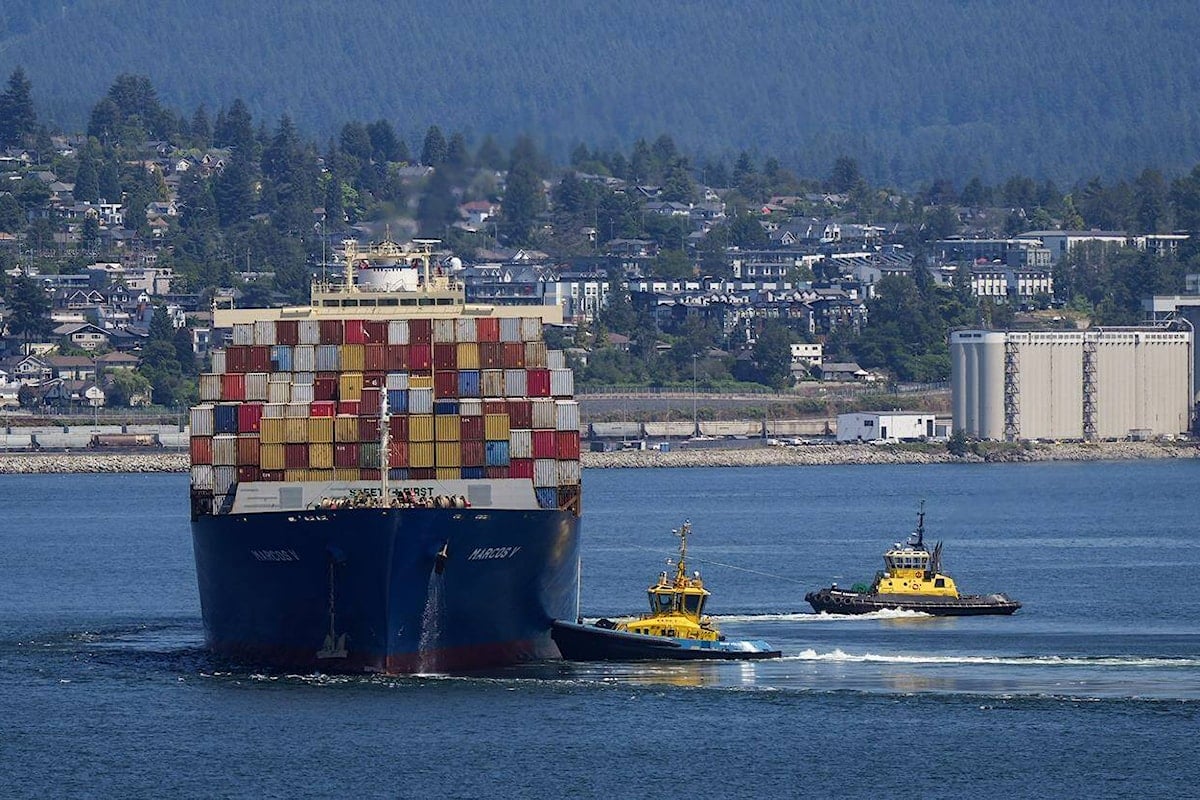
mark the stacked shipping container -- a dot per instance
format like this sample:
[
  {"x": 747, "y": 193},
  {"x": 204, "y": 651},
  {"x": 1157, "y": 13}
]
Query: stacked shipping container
[{"x": 467, "y": 398}]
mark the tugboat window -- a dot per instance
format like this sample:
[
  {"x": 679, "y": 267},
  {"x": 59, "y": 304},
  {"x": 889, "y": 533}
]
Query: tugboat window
[
  {"x": 664, "y": 602},
  {"x": 691, "y": 603}
]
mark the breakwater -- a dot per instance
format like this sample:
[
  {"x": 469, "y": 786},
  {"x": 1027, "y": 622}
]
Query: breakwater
[{"x": 809, "y": 455}]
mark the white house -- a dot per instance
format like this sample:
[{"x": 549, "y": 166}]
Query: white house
[{"x": 874, "y": 426}]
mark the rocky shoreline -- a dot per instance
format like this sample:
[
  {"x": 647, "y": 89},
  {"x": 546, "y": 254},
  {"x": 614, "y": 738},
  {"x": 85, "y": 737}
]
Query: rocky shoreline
[{"x": 810, "y": 455}]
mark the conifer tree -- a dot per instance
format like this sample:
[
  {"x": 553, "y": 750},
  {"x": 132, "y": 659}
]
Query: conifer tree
[{"x": 17, "y": 117}]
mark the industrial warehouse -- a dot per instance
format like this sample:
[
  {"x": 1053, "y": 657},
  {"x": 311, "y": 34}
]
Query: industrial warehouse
[{"x": 1099, "y": 384}]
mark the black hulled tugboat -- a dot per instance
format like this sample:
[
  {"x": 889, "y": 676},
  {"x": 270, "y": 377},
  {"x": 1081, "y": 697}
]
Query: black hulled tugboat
[{"x": 912, "y": 580}]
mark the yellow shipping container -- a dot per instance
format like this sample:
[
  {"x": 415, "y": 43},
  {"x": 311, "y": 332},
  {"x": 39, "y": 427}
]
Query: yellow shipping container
[
  {"x": 320, "y": 455},
  {"x": 272, "y": 431},
  {"x": 468, "y": 355},
  {"x": 448, "y": 473},
  {"x": 270, "y": 456},
  {"x": 449, "y": 427},
  {"x": 320, "y": 429},
  {"x": 295, "y": 430},
  {"x": 320, "y": 474},
  {"x": 345, "y": 428},
  {"x": 346, "y": 474},
  {"x": 420, "y": 454},
  {"x": 495, "y": 426},
  {"x": 295, "y": 475},
  {"x": 354, "y": 359},
  {"x": 420, "y": 429},
  {"x": 420, "y": 381},
  {"x": 449, "y": 454},
  {"x": 350, "y": 385}
]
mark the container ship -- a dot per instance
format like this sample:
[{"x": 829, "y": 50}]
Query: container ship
[{"x": 386, "y": 480}]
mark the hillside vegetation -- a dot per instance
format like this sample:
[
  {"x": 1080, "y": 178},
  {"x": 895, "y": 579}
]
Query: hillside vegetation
[{"x": 913, "y": 91}]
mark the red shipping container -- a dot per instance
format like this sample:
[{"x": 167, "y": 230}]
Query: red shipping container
[
  {"x": 420, "y": 356},
  {"x": 495, "y": 407},
  {"x": 368, "y": 474},
  {"x": 513, "y": 355},
  {"x": 543, "y": 444},
  {"x": 374, "y": 380},
  {"x": 445, "y": 385},
  {"x": 247, "y": 451},
  {"x": 377, "y": 331},
  {"x": 520, "y": 414},
  {"x": 345, "y": 455},
  {"x": 368, "y": 431},
  {"x": 376, "y": 357},
  {"x": 331, "y": 331},
  {"x": 471, "y": 430},
  {"x": 420, "y": 331},
  {"x": 473, "y": 454},
  {"x": 295, "y": 456},
  {"x": 322, "y": 408},
  {"x": 249, "y": 417},
  {"x": 567, "y": 444},
  {"x": 325, "y": 388},
  {"x": 495, "y": 472},
  {"x": 397, "y": 357},
  {"x": 271, "y": 475},
  {"x": 398, "y": 429},
  {"x": 445, "y": 356},
  {"x": 491, "y": 355},
  {"x": 248, "y": 474},
  {"x": 421, "y": 473},
  {"x": 350, "y": 407},
  {"x": 487, "y": 329},
  {"x": 537, "y": 382},
  {"x": 233, "y": 386},
  {"x": 371, "y": 402},
  {"x": 201, "y": 449},
  {"x": 521, "y": 468},
  {"x": 287, "y": 331},
  {"x": 353, "y": 332},
  {"x": 397, "y": 453},
  {"x": 260, "y": 358},
  {"x": 237, "y": 358}
]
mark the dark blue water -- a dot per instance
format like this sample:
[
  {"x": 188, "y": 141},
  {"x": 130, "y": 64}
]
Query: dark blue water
[{"x": 1092, "y": 690}]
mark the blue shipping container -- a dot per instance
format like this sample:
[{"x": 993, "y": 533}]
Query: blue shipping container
[
  {"x": 281, "y": 358},
  {"x": 445, "y": 407},
  {"x": 397, "y": 401},
  {"x": 225, "y": 418},
  {"x": 472, "y": 473},
  {"x": 496, "y": 454},
  {"x": 547, "y": 498},
  {"x": 398, "y": 474},
  {"x": 468, "y": 383}
]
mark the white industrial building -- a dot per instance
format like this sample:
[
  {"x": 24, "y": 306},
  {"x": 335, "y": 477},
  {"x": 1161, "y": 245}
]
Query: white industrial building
[
  {"x": 1104, "y": 383},
  {"x": 873, "y": 426}
]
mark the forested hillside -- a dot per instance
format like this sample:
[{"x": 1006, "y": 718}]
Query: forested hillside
[{"x": 913, "y": 91}]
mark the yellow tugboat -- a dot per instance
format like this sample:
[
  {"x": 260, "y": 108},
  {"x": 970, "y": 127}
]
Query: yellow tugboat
[
  {"x": 912, "y": 581},
  {"x": 675, "y": 628}
]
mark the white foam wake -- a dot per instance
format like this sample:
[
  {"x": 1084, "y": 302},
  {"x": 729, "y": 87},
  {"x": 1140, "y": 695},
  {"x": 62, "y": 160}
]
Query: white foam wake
[
  {"x": 805, "y": 616},
  {"x": 1016, "y": 661}
]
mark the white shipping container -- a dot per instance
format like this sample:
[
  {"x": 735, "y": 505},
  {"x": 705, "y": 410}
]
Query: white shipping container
[
  {"x": 280, "y": 377},
  {"x": 556, "y": 359},
  {"x": 562, "y": 383},
  {"x": 264, "y": 332},
  {"x": 202, "y": 476},
  {"x": 420, "y": 401},
  {"x": 396, "y": 380},
  {"x": 520, "y": 443},
  {"x": 224, "y": 479},
  {"x": 531, "y": 329},
  {"x": 329, "y": 358},
  {"x": 310, "y": 331},
  {"x": 210, "y": 387},
  {"x": 295, "y": 410},
  {"x": 279, "y": 392},
  {"x": 243, "y": 333},
  {"x": 464, "y": 329},
  {"x": 568, "y": 472},
  {"x": 515, "y": 383},
  {"x": 566, "y": 415},
  {"x": 443, "y": 331},
  {"x": 274, "y": 410},
  {"x": 510, "y": 329},
  {"x": 304, "y": 377},
  {"x": 304, "y": 358},
  {"x": 200, "y": 420},
  {"x": 302, "y": 393},
  {"x": 256, "y": 386},
  {"x": 225, "y": 450},
  {"x": 544, "y": 414},
  {"x": 398, "y": 331},
  {"x": 491, "y": 382},
  {"x": 545, "y": 472},
  {"x": 470, "y": 407},
  {"x": 218, "y": 362}
]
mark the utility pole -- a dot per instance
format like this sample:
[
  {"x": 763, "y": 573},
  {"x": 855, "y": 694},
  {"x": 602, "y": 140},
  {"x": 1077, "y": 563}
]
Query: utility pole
[{"x": 695, "y": 423}]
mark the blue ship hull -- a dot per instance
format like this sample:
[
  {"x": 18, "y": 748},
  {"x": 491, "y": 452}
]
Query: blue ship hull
[{"x": 363, "y": 590}]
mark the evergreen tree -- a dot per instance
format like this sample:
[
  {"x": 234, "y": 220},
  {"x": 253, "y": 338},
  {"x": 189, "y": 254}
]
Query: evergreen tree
[
  {"x": 355, "y": 141},
  {"x": 87, "y": 180},
  {"x": 457, "y": 156},
  {"x": 436, "y": 207},
  {"x": 523, "y": 197},
  {"x": 200, "y": 128},
  {"x": 489, "y": 156},
  {"x": 384, "y": 144},
  {"x": 233, "y": 190},
  {"x": 12, "y": 217},
  {"x": 235, "y": 128},
  {"x": 28, "y": 309},
  {"x": 433, "y": 152},
  {"x": 109, "y": 180},
  {"x": 18, "y": 119},
  {"x": 160, "y": 361}
]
